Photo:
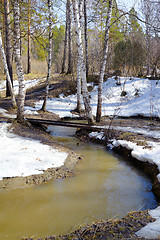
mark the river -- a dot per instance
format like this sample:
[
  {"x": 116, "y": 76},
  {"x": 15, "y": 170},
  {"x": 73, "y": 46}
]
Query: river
[{"x": 104, "y": 186}]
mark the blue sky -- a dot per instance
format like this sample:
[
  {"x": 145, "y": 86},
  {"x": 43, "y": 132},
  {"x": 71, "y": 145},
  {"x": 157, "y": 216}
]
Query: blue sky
[{"x": 127, "y": 4}]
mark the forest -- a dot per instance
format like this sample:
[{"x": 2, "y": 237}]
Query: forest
[
  {"x": 79, "y": 119},
  {"x": 84, "y": 39}
]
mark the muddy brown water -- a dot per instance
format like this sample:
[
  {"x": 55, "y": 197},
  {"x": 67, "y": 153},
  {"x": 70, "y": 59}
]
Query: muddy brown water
[{"x": 104, "y": 187}]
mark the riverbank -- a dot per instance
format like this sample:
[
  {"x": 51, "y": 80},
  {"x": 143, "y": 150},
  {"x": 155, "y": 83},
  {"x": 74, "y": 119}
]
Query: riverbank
[
  {"x": 124, "y": 228},
  {"x": 38, "y": 134},
  {"x": 113, "y": 229},
  {"x": 137, "y": 146}
]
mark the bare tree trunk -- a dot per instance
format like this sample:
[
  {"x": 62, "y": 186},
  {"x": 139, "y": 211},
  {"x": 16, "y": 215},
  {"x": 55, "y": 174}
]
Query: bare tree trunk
[
  {"x": 64, "y": 61},
  {"x": 80, "y": 61},
  {"x": 148, "y": 50},
  {"x": 7, "y": 73},
  {"x": 86, "y": 37},
  {"x": 8, "y": 45},
  {"x": 154, "y": 71},
  {"x": 79, "y": 102},
  {"x": 103, "y": 64},
  {"x": 49, "y": 57},
  {"x": 29, "y": 44},
  {"x": 70, "y": 65},
  {"x": 19, "y": 69},
  {"x": 147, "y": 12}
]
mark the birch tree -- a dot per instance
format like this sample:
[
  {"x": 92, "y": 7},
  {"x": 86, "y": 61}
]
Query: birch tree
[
  {"x": 18, "y": 61},
  {"x": 80, "y": 62},
  {"x": 49, "y": 57},
  {"x": 7, "y": 73},
  {"x": 8, "y": 44},
  {"x": 79, "y": 85},
  {"x": 104, "y": 61}
]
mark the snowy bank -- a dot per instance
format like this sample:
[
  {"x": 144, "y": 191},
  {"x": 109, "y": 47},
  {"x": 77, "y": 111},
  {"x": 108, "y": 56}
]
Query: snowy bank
[
  {"x": 24, "y": 157},
  {"x": 151, "y": 230},
  {"x": 28, "y": 84},
  {"x": 142, "y": 98},
  {"x": 151, "y": 155}
]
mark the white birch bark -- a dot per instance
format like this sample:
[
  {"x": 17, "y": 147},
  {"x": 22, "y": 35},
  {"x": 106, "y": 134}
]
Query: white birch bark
[
  {"x": 7, "y": 73},
  {"x": 104, "y": 60},
  {"x": 8, "y": 44},
  {"x": 49, "y": 57},
  {"x": 79, "y": 102},
  {"x": 19, "y": 68},
  {"x": 81, "y": 62}
]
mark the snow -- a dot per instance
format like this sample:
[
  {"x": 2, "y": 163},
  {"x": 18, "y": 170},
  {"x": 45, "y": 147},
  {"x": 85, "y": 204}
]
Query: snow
[
  {"x": 145, "y": 131},
  {"x": 97, "y": 135},
  {"x": 142, "y": 98},
  {"x": 141, "y": 153},
  {"x": 24, "y": 157},
  {"x": 147, "y": 102},
  {"x": 61, "y": 106},
  {"x": 151, "y": 230},
  {"x": 30, "y": 110},
  {"x": 6, "y": 114},
  {"x": 28, "y": 84},
  {"x": 151, "y": 155}
]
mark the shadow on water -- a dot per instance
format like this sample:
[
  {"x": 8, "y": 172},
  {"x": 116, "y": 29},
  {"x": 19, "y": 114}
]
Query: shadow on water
[{"x": 103, "y": 187}]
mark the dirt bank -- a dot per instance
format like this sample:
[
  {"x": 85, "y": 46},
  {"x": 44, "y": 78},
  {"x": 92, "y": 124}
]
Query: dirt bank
[
  {"x": 38, "y": 133},
  {"x": 113, "y": 229}
]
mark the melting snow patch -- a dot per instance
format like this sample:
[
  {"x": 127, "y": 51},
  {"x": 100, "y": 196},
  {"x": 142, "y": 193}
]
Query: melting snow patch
[
  {"x": 151, "y": 155},
  {"x": 30, "y": 110},
  {"x": 5, "y": 114},
  {"x": 97, "y": 135},
  {"x": 23, "y": 157},
  {"x": 151, "y": 230}
]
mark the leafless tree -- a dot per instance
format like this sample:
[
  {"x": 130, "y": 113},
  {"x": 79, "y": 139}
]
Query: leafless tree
[
  {"x": 77, "y": 8},
  {"x": 7, "y": 73},
  {"x": 19, "y": 68},
  {"x": 49, "y": 57},
  {"x": 104, "y": 60},
  {"x": 8, "y": 46}
]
